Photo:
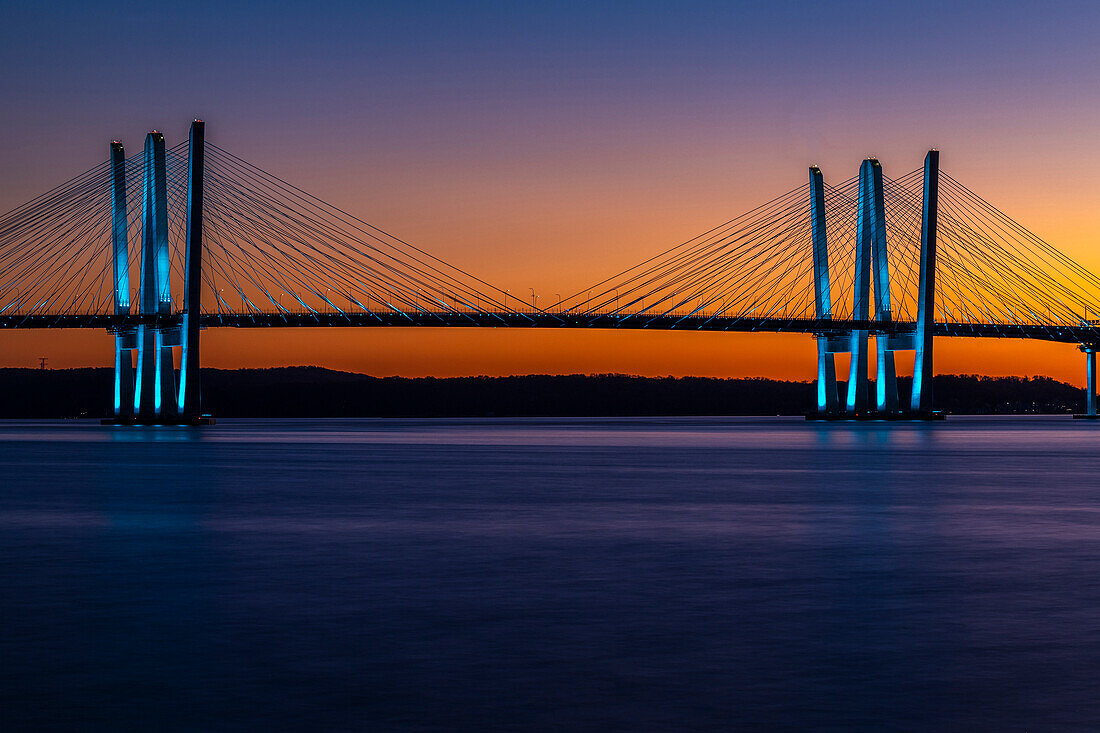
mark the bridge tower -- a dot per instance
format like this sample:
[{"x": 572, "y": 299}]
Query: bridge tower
[
  {"x": 886, "y": 386},
  {"x": 189, "y": 401},
  {"x": 125, "y": 339},
  {"x": 148, "y": 395},
  {"x": 155, "y": 388},
  {"x": 872, "y": 263},
  {"x": 871, "y": 244},
  {"x": 921, "y": 401},
  {"x": 827, "y": 398}
]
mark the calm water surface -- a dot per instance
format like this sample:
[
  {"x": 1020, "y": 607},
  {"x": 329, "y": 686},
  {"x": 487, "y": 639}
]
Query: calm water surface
[{"x": 691, "y": 574}]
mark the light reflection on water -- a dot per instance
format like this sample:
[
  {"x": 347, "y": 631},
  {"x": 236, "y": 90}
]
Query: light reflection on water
[{"x": 697, "y": 573}]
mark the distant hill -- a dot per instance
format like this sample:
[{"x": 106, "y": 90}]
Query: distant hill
[{"x": 317, "y": 392}]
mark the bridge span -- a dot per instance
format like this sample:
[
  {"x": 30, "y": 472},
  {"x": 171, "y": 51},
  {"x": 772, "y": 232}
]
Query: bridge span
[{"x": 545, "y": 319}]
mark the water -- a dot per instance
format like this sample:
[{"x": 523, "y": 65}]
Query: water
[{"x": 694, "y": 574}]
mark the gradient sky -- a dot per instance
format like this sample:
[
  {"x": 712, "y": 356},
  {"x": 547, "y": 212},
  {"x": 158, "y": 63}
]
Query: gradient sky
[{"x": 548, "y": 145}]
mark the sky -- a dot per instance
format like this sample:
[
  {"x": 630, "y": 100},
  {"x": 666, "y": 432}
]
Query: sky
[{"x": 549, "y": 145}]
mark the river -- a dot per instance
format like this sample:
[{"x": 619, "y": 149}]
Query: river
[{"x": 596, "y": 574}]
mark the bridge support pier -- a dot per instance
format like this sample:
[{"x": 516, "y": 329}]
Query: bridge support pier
[
  {"x": 827, "y": 398},
  {"x": 1090, "y": 367},
  {"x": 125, "y": 341},
  {"x": 886, "y": 378},
  {"x": 1090, "y": 384}
]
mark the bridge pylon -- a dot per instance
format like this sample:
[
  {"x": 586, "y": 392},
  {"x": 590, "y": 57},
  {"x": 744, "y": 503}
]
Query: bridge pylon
[
  {"x": 872, "y": 264},
  {"x": 857, "y": 399},
  {"x": 148, "y": 395},
  {"x": 156, "y": 375},
  {"x": 125, "y": 338},
  {"x": 188, "y": 401},
  {"x": 920, "y": 403},
  {"x": 871, "y": 245},
  {"x": 827, "y": 398}
]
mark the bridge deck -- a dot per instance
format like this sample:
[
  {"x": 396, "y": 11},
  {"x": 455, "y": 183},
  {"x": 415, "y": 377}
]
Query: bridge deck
[{"x": 451, "y": 319}]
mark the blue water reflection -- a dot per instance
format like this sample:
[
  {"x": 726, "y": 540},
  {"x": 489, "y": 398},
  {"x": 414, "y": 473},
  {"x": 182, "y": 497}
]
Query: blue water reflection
[{"x": 681, "y": 573}]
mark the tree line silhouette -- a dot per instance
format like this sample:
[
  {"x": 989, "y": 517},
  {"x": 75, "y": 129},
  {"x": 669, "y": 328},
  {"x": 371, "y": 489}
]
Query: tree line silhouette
[{"x": 318, "y": 392}]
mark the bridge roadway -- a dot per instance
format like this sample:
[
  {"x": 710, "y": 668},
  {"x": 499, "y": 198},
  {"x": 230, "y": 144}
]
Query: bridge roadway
[{"x": 544, "y": 319}]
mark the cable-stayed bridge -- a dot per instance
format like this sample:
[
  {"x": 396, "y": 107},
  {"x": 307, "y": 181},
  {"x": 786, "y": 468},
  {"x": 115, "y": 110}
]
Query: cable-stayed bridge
[{"x": 158, "y": 245}]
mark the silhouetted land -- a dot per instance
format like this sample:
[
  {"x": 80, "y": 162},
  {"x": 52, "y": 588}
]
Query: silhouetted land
[{"x": 317, "y": 392}]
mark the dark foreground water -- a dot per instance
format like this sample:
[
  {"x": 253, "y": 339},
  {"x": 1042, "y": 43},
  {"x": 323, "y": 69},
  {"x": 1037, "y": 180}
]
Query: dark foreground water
[{"x": 690, "y": 574}]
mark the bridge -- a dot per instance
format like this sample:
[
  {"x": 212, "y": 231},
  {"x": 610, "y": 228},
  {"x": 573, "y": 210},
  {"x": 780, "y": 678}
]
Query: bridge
[{"x": 214, "y": 241}]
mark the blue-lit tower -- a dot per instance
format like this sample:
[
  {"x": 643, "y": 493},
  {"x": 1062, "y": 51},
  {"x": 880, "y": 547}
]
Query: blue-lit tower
[
  {"x": 125, "y": 339},
  {"x": 861, "y": 287},
  {"x": 886, "y": 389},
  {"x": 189, "y": 395},
  {"x": 871, "y": 246},
  {"x": 823, "y": 306},
  {"x": 155, "y": 388},
  {"x": 921, "y": 401}
]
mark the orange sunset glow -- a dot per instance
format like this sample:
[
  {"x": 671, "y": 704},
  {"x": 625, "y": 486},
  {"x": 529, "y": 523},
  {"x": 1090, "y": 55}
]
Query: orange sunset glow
[{"x": 557, "y": 227}]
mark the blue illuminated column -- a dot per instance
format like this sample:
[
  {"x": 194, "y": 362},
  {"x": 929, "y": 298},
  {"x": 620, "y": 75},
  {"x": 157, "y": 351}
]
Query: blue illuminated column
[
  {"x": 124, "y": 339},
  {"x": 826, "y": 365},
  {"x": 189, "y": 400},
  {"x": 155, "y": 388},
  {"x": 921, "y": 401},
  {"x": 1090, "y": 381},
  {"x": 861, "y": 288},
  {"x": 886, "y": 387}
]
